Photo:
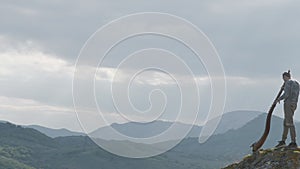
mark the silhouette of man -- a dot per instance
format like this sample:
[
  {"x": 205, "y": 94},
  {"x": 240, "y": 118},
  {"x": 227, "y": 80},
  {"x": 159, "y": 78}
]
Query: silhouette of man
[{"x": 290, "y": 97}]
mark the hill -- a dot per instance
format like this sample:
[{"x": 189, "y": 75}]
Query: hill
[
  {"x": 230, "y": 121},
  {"x": 29, "y": 147},
  {"x": 282, "y": 158},
  {"x": 55, "y": 132}
]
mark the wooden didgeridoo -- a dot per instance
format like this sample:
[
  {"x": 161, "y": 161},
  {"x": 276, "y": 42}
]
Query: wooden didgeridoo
[{"x": 257, "y": 145}]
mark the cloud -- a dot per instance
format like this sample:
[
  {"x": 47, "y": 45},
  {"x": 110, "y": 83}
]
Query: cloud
[
  {"x": 26, "y": 71},
  {"x": 18, "y": 104},
  {"x": 25, "y": 65},
  {"x": 231, "y": 25},
  {"x": 27, "y": 111},
  {"x": 256, "y": 40},
  {"x": 25, "y": 60},
  {"x": 234, "y": 6}
]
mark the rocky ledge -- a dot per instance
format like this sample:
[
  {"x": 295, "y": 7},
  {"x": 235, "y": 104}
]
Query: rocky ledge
[{"x": 275, "y": 158}]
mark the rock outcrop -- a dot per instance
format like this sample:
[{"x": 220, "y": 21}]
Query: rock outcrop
[{"x": 280, "y": 158}]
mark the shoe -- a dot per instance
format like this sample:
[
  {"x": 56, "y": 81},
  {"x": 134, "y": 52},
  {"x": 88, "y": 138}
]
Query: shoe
[
  {"x": 280, "y": 144},
  {"x": 293, "y": 145}
]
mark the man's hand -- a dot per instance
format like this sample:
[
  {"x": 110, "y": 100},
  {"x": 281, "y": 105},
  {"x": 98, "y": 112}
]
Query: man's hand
[{"x": 278, "y": 101}]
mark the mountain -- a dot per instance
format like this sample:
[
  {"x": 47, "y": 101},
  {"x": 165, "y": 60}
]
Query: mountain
[
  {"x": 9, "y": 163},
  {"x": 235, "y": 120},
  {"x": 141, "y": 130},
  {"x": 269, "y": 159},
  {"x": 33, "y": 149},
  {"x": 229, "y": 121},
  {"x": 55, "y": 132},
  {"x": 22, "y": 148},
  {"x": 223, "y": 149}
]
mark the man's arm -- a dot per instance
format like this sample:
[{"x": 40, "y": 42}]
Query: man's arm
[{"x": 287, "y": 90}]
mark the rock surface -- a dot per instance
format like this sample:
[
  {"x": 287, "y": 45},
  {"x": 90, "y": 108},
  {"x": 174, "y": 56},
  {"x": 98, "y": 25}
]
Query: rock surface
[{"x": 280, "y": 158}]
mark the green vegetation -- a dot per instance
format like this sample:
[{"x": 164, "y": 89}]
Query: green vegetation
[
  {"x": 9, "y": 163},
  {"x": 9, "y": 157},
  {"x": 27, "y": 148}
]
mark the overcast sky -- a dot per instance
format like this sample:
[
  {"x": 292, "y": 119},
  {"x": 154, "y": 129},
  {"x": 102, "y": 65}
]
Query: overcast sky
[{"x": 40, "y": 40}]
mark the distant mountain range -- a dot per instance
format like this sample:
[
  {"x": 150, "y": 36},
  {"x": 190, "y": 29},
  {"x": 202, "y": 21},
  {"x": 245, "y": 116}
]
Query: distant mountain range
[
  {"x": 55, "y": 132},
  {"x": 229, "y": 121},
  {"x": 28, "y": 148}
]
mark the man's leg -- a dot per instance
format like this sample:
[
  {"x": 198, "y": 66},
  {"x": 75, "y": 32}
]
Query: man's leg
[
  {"x": 285, "y": 121},
  {"x": 289, "y": 109},
  {"x": 292, "y": 127},
  {"x": 293, "y": 134},
  {"x": 285, "y": 130}
]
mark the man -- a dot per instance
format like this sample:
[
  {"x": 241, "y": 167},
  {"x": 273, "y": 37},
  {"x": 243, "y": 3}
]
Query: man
[{"x": 290, "y": 97}]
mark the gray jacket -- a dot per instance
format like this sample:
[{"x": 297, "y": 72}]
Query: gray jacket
[{"x": 291, "y": 91}]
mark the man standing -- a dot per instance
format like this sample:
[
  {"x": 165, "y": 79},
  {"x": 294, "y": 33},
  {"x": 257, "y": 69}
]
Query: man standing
[{"x": 290, "y": 97}]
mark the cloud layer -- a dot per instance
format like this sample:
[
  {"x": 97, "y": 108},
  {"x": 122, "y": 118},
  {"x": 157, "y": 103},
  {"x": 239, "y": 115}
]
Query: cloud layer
[{"x": 256, "y": 40}]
